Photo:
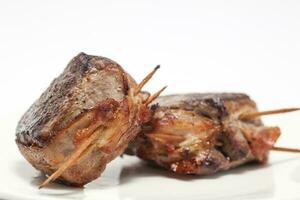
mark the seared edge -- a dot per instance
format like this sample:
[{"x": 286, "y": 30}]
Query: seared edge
[
  {"x": 86, "y": 81},
  {"x": 232, "y": 142},
  {"x": 208, "y": 104}
]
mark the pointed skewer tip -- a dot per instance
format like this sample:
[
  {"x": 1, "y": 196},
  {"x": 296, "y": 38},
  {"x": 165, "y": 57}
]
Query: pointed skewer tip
[
  {"x": 46, "y": 182},
  {"x": 285, "y": 149},
  {"x": 270, "y": 112},
  {"x": 145, "y": 80},
  {"x": 155, "y": 95}
]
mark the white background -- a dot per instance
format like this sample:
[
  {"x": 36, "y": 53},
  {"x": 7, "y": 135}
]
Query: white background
[
  {"x": 243, "y": 46},
  {"x": 202, "y": 46}
]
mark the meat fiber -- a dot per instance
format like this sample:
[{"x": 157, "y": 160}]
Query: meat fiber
[
  {"x": 86, "y": 118},
  {"x": 203, "y": 134}
]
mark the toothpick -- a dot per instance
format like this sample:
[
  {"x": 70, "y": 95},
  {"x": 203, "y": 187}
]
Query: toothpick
[
  {"x": 154, "y": 96},
  {"x": 72, "y": 159},
  {"x": 145, "y": 80},
  {"x": 271, "y": 112},
  {"x": 284, "y": 149}
]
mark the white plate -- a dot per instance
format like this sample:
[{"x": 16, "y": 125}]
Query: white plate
[{"x": 131, "y": 179}]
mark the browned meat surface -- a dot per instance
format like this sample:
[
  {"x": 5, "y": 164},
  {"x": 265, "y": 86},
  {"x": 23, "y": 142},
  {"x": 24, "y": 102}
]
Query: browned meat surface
[
  {"x": 89, "y": 110},
  {"x": 202, "y": 134}
]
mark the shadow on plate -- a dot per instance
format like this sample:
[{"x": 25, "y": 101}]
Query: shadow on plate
[
  {"x": 233, "y": 184},
  {"x": 28, "y": 174},
  {"x": 198, "y": 187},
  {"x": 143, "y": 169},
  {"x": 140, "y": 169}
]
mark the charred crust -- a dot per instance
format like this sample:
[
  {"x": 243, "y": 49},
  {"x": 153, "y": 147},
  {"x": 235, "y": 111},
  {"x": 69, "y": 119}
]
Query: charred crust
[
  {"x": 228, "y": 147},
  {"x": 81, "y": 63},
  {"x": 34, "y": 127},
  {"x": 218, "y": 104},
  {"x": 154, "y": 106},
  {"x": 211, "y": 105}
]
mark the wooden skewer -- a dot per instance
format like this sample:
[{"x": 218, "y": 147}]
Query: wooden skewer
[
  {"x": 145, "y": 80},
  {"x": 270, "y": 112},
  {"x": 284, "y": 149},
  {"x": 72, "y": 159},
  {"x": 88, "y": 142},
  {"x": 154, "y": 96}
]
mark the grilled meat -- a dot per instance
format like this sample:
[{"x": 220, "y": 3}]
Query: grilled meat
[
  {"x": 86, "y": 118},
  {"x": 203, "y": 134}
]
